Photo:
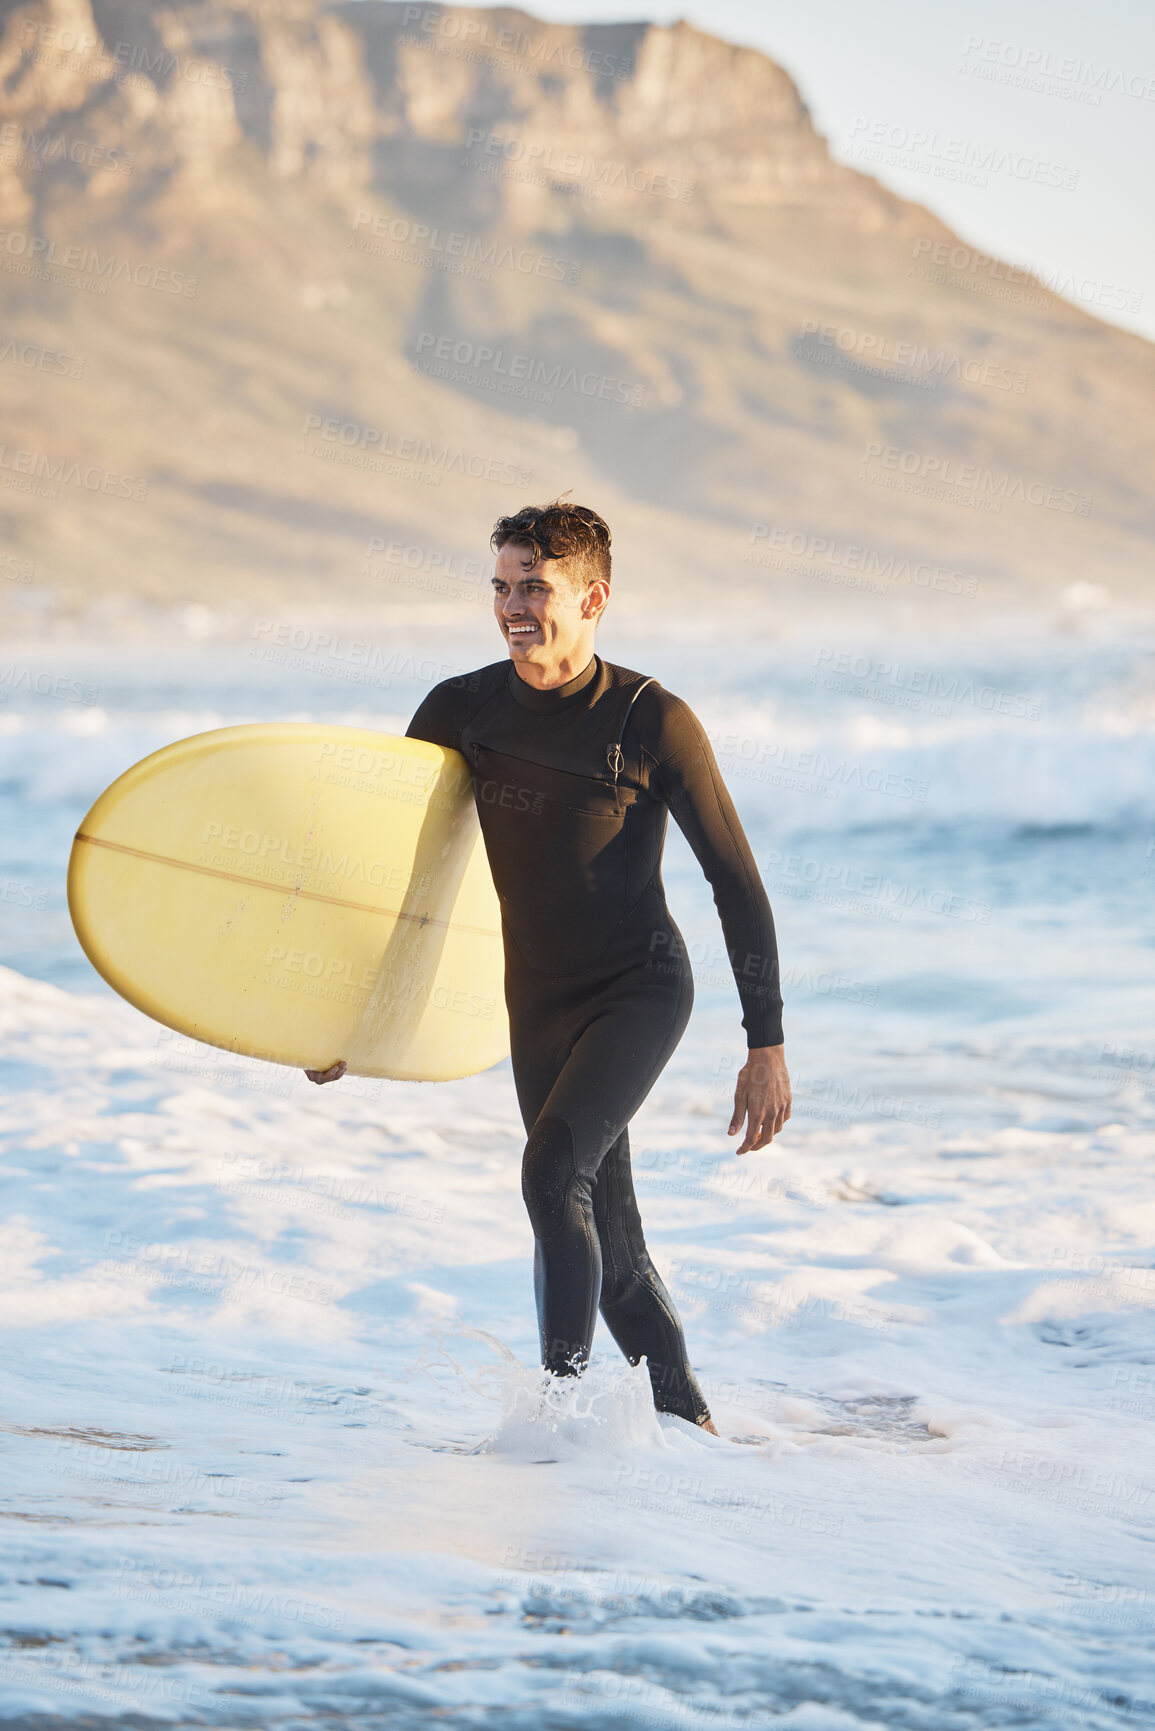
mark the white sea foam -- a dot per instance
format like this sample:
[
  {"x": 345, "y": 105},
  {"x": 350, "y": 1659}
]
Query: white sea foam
[{"x": 278, "y": 1453}]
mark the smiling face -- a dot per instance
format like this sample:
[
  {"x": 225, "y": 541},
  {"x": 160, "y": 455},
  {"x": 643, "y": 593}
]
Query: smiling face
[{"x": 546, "y": 618}]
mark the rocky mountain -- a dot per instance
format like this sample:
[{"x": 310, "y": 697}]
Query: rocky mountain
[{"x": 298, "y": 296}]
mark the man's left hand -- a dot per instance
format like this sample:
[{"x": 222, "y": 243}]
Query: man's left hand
[{"x": 762, "y": 1097}]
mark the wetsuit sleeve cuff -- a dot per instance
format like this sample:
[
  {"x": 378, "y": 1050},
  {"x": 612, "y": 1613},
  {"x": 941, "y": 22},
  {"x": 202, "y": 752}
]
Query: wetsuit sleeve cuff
[{"x": 765, "y": 1034}]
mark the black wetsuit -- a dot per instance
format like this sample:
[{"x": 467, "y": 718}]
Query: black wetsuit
[{"x": 597, "y": 981}]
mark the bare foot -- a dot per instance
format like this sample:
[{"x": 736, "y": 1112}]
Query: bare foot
[{"x": 332, "y": 1074}]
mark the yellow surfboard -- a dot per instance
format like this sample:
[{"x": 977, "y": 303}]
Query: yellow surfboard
[{"x": 300, "y": 893}]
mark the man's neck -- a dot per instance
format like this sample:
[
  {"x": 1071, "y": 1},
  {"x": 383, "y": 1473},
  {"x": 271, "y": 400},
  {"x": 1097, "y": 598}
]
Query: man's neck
[{"x": 549, "y": 678}]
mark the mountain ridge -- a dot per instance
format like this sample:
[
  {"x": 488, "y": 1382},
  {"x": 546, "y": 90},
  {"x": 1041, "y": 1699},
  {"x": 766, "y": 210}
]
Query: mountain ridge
[{"x": 328, "y": 221}]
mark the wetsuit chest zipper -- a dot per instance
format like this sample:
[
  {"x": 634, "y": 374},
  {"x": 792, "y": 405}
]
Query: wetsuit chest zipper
[{"x": 615, "y": 756}]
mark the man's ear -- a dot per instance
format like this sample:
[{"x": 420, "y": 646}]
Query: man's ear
[{"x": 595, "y": 600}]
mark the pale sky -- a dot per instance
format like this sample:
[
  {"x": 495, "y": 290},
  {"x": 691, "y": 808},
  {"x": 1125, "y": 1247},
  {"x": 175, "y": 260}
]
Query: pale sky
[{"x": 900, "y": 68}]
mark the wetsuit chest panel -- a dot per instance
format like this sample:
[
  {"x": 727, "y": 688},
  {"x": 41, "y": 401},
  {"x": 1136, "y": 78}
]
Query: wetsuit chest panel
[
  {"x": 573, "y": 743},
  {"x": 509, "y": 780},
  {"x": 559, "y": 853}
]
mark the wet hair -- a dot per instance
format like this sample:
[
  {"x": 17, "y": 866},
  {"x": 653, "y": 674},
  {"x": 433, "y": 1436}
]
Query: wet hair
[{"x": 560, "y": 531}]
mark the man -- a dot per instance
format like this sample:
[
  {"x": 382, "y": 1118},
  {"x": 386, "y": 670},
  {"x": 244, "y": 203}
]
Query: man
[{"x": 575, "y": 764}]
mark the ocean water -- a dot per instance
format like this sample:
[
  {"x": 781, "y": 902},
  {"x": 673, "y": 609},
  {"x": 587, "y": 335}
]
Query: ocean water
[{"x": 274, "y": 1447}]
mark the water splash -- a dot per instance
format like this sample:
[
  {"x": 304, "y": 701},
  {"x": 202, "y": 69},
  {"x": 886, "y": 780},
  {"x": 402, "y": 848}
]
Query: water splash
[{"x": 607, "y": 1411}]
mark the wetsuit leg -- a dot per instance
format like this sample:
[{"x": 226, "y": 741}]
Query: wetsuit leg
[
  {"x": 635, "y": 1304},
  {"x": 577, "y": 1096}
]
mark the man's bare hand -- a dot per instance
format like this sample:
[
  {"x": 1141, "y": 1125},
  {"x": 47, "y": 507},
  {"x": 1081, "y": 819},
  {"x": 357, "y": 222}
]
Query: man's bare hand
[
  {"x": 332, "y": 1074},
  {"x": 762, "y": 1097}
]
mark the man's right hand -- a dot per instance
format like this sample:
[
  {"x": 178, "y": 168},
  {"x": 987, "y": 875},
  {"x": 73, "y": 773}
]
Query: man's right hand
[
  {"x": 332, "y": 1074},
  {"x": 762, "y": 1097}
]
